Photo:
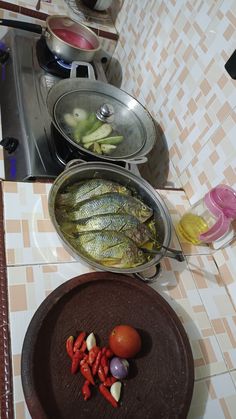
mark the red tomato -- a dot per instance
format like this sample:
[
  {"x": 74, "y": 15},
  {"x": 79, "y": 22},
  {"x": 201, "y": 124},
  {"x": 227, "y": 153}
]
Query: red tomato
[{"x": 125, "y": 341}]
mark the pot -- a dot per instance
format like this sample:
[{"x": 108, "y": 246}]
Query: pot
[
  {"x": 99, "y": 5},
  {"x": 114, "y": 106},
  {"x": 81, "y": 172},
  {"x": 66, "y": 39}
]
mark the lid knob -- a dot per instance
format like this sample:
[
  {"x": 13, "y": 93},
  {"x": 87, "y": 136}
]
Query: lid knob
[{"x": 105, "y": 113}]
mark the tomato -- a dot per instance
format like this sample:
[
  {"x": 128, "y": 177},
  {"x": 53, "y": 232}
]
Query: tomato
[{"x": 125, "y": 341}]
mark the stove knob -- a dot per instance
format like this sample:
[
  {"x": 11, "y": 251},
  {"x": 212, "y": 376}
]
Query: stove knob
[{"x": 9, "y": 143}]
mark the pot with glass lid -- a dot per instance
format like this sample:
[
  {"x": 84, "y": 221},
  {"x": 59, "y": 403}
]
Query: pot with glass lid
[{"x": 101, "y": 120}]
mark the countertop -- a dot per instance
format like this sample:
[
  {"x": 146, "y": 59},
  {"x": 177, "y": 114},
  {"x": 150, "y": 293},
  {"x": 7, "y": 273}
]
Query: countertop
[{"x": 37, "y": 263}]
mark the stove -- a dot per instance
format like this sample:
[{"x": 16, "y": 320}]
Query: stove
[{"x": 33, "y": 148}]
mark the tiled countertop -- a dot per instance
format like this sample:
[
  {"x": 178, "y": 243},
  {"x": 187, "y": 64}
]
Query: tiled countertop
[{"x": 37, "y": 264}]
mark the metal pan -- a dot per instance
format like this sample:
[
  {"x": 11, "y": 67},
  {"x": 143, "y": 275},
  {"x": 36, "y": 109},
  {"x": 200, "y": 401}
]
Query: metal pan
[
  {"x": 130, "y": 118},
  {"x": 66, "y": 39}
]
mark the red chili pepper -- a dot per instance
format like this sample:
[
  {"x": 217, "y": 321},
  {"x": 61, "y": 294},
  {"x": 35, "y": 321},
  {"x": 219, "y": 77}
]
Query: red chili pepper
[
  {"x": 101, "y": 373},
  {"x": 84, "y": 359},
  {"x": 93, "y": 354},
  {"x": 86, "y": 390},
  {"x": 109, "y": 353},
  {"x": 96, "y": 363},
  {"x": 105, "y": 364},
  {"x": 108, "y": 396},
  {"x": 78, "y": 341},
  {"x": 76, "y": 361},
  {"x": 104, "y": 350},
  {"x": 109, "y": 381},
  {"x": 84, "y": 346},
  {"x": 69, "y": 346},
  {"x": 86, "y": 372}
]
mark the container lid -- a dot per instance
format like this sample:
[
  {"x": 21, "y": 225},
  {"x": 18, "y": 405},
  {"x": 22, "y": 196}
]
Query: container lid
[
  {"x": 127, "y": 117},
  {"x": 222, "y": 199}
]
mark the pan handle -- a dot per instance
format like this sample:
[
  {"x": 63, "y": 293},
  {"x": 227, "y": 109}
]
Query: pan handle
[
  {"x": 31, "y": 27},
  {"x": 138, "y": 160},
  {"x": 152, "y": 278}
]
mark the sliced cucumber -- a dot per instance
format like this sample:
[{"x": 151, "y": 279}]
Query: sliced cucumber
[
  {"x": 111, "y": 140},
  {"x": 95, "y": 126},
  {"x": 100, "y": 133},
  {"x": 107, "y": 148}
]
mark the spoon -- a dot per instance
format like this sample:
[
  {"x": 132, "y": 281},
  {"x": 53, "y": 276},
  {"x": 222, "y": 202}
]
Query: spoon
[{"x": 171, "y": 253}]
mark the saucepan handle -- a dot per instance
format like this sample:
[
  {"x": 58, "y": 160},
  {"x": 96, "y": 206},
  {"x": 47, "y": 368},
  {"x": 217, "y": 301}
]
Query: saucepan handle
[
  {"x": 138, "y": 160},
  {"x": 74, "y": 162},
  {"x": 150, "y": 279},
  {"x": 76, "y": 64},
  {"x": 31, "y": 27}
]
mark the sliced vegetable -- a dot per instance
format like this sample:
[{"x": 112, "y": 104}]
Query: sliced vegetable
[
  {"x": 111, "y": 140},
  {"x": 95, "y": 126},
  {"x": 90, "y": 341},
  {"x": 80, "y": 114},
  {"x": 107, "y": 148},
  {"x": 101, "y": 132},
  {"x": 116, "y": 390},
  {"x": 70, "y": 120}
]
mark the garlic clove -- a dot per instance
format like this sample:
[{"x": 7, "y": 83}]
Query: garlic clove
[
  {"x": 116, "y": 390},
  {"x": 90, "y": 341}
]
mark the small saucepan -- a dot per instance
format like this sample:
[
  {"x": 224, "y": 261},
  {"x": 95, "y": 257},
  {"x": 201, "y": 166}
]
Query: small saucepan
[{"x": 66, "y": 39}]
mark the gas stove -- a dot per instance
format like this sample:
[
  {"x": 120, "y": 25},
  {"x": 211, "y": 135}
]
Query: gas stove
[{"x": 33, "y": 149}]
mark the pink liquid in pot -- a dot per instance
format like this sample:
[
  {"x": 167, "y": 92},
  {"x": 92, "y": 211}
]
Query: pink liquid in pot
[{"x": 73, "y": 38}]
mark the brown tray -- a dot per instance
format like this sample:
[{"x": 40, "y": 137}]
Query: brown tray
[{"x": 160, "y": 383}]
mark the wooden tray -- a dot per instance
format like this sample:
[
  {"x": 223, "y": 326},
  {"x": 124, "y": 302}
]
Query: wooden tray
[{"x": 160, "y": 382}]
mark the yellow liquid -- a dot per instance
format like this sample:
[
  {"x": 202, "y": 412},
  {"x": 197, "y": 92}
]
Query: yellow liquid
[{"x": 190, "y": 227}]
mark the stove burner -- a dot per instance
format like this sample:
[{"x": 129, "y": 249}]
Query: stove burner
[
  {"x": 63, "y": 64},
  {"x": 48, "y": 62}
]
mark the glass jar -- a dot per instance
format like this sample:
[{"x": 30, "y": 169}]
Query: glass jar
[{"x": 209, "y": 221}]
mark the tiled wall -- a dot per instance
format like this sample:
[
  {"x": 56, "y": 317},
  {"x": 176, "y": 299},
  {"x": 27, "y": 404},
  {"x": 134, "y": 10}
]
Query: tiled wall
[{"x": 173, "y": 55}]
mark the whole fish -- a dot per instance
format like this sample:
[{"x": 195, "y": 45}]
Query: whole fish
[
  {"x": 109, "y": 248},
  {"x": 123, "y": 223},
  {"x": 114, "y": 203},
  {"x": 81, "y": 191}
]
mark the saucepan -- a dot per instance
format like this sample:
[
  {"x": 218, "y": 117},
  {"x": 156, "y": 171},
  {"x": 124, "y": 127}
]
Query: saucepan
[
  {"x": 78, "y": 172},
  {"x": 66, "y": 39},
  {"x": 121, "y": 113}
]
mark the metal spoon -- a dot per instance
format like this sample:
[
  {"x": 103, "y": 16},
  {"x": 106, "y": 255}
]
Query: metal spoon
[{"x": 171, "y": 253}]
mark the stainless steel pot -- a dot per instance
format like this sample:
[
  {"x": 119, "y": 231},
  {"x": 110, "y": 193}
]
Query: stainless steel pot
[
  {"x": 85, "y": 171},
  {"x": 56, "y": 36},
  {"x": 129, "y": 117}
]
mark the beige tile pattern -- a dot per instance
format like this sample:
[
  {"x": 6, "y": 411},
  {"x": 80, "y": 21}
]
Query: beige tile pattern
[{"x": 193, "y": 288}]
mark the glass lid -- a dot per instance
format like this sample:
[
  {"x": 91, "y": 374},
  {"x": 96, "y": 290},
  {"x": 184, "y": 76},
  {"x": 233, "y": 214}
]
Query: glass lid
[{"x": 101, "y": 123}]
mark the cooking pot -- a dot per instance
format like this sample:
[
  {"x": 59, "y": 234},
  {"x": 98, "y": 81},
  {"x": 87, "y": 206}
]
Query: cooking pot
[
  {"x": 114, "y": 106},
  {"x": 66, "y": 39},
  {"x": 97, "y": 4},
  {"x": 77, "y": 172}
]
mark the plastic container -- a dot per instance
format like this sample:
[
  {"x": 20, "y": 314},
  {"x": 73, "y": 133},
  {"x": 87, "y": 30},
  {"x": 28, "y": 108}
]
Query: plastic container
[{"x": 209, "y": 221}]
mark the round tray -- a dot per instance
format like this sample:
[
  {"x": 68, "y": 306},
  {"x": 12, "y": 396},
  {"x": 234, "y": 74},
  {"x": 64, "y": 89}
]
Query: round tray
[{"x": 160, "y": 383}]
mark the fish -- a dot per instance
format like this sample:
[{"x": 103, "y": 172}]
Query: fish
[
  {"x": 123, "y": 223},
  {"x": 106, "y": 204},
  {"x": 81, "y": 191},
  {"x": 109, "y": 248}
]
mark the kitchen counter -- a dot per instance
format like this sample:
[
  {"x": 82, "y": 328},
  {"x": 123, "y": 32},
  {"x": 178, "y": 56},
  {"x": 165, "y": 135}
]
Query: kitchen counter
[{"x": 37, "y": 263}]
